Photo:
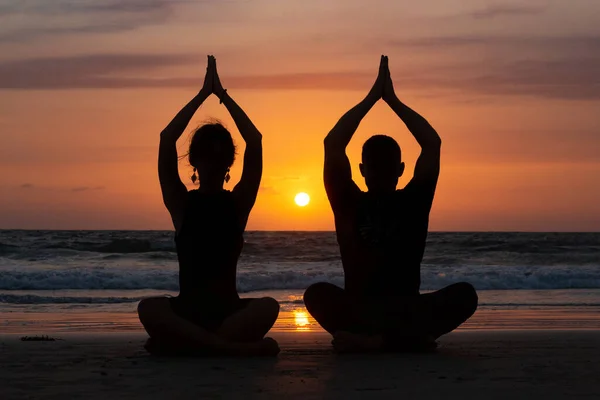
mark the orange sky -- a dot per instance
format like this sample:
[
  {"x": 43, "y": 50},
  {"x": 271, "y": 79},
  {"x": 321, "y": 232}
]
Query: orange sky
[{"x": 512, "y": 88}]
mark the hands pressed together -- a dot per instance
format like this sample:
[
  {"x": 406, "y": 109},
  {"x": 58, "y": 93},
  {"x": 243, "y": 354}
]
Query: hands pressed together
[
  {"x": 212, "y": 82},
  {"x": 383, "y": 88}
]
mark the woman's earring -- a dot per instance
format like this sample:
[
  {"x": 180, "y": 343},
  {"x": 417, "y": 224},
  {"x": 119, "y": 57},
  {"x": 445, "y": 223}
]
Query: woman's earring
[
  {"x": 194, "y": 177},
  {"x": 227, "y": 177}
]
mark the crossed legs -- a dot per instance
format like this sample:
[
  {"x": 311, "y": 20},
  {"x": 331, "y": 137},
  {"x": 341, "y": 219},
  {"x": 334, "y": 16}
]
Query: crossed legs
[
  {"x": 392, "y": 322},
  {"x": 240, "y": 334}
]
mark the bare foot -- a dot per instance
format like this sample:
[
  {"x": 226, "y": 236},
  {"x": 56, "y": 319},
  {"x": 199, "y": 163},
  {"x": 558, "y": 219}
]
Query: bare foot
[
  {"x": 270, "y": 347},
  {"x": 429, "y": 343},
  {"x": 347, "y": 342},
  {"x": 266, "y": 347},
  {"x": 426, "y": 343}
]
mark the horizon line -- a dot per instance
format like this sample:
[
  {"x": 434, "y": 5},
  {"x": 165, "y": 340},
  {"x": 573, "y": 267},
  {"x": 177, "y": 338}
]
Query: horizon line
[{"x": 284, "y": 230}]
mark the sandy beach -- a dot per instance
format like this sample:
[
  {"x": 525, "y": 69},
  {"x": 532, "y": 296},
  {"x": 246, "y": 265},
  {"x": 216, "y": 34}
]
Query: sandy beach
[
  {"x": 536, "y": 334},
  {"x": 468, "y": 365}
]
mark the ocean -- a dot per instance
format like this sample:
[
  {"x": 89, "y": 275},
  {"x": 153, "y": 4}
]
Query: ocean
[{"x": 109, "y": 271}]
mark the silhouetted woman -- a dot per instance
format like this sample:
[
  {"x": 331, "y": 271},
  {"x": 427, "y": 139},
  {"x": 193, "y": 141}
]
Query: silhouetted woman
[{"x": 208, "y": 316}]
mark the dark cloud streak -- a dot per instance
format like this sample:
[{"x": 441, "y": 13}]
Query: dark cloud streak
[
  {"x": 71, "y": 7},
  {"x": 83, "y": 17},
  {"x": 554, "y": 67},
  {"x": 530, "y": 44},
  {"x": 98, "y": 71},
  {"x": 84, "y": 72},
  {"x": 86, "y": 188},
  {"x": 30, "y": 186},
  {"x": 506, "y": 10},
  {"x": 58, "y": 155},
  {"x": 551, "y": 67}
]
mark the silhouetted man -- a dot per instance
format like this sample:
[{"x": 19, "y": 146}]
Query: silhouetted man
[{"x": 382, "y": 235}]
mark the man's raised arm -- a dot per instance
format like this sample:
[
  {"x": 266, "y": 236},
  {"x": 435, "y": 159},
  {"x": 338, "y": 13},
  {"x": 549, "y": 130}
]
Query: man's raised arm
[
  {"x": 427, "y": 168},
  {"x": 337, "y": 173}
]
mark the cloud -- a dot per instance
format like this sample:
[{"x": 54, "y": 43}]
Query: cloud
[
  {"x": 303, "y": 81},
  {"x": 58, "y": 7},
  {"x": 506, "y": 10},
  {"x": 86, "y": 188},
  {"x": 98, "y": 71},
  {"x": 551, "y": 67},
  {"x": 575, "y": 79},
  {"x": 61, "y": 189},
  {"x": 536, "y": 44},
  {"x": 31, "y": 19},
  {"x": 15, "y": 156},
  {"x": 567, "y": 79},
  {"x": 80, "y": 16},
  {"x": 509, "y": 146},
  {"x": 88, "y": 71}
]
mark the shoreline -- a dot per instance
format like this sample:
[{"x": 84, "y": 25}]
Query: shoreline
[{"x": 298, "y": 320}]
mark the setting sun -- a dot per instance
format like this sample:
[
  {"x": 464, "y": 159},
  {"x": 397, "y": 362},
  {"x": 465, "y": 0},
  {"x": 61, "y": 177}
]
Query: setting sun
[{"x": 302, "y": 199}]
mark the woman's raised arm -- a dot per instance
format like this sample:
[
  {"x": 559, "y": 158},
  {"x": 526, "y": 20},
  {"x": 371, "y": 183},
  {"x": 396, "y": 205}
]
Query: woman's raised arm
[
  {"x": 173, "y": 190},
  {"x": 247, "y": 188}
]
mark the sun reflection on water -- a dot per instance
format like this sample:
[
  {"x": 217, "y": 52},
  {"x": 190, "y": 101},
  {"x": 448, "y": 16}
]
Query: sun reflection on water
[{"x": 301, "y": 320}]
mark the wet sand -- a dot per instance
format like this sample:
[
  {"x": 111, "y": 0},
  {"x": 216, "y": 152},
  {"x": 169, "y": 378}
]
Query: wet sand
[{"x": 297, "y": 320}]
